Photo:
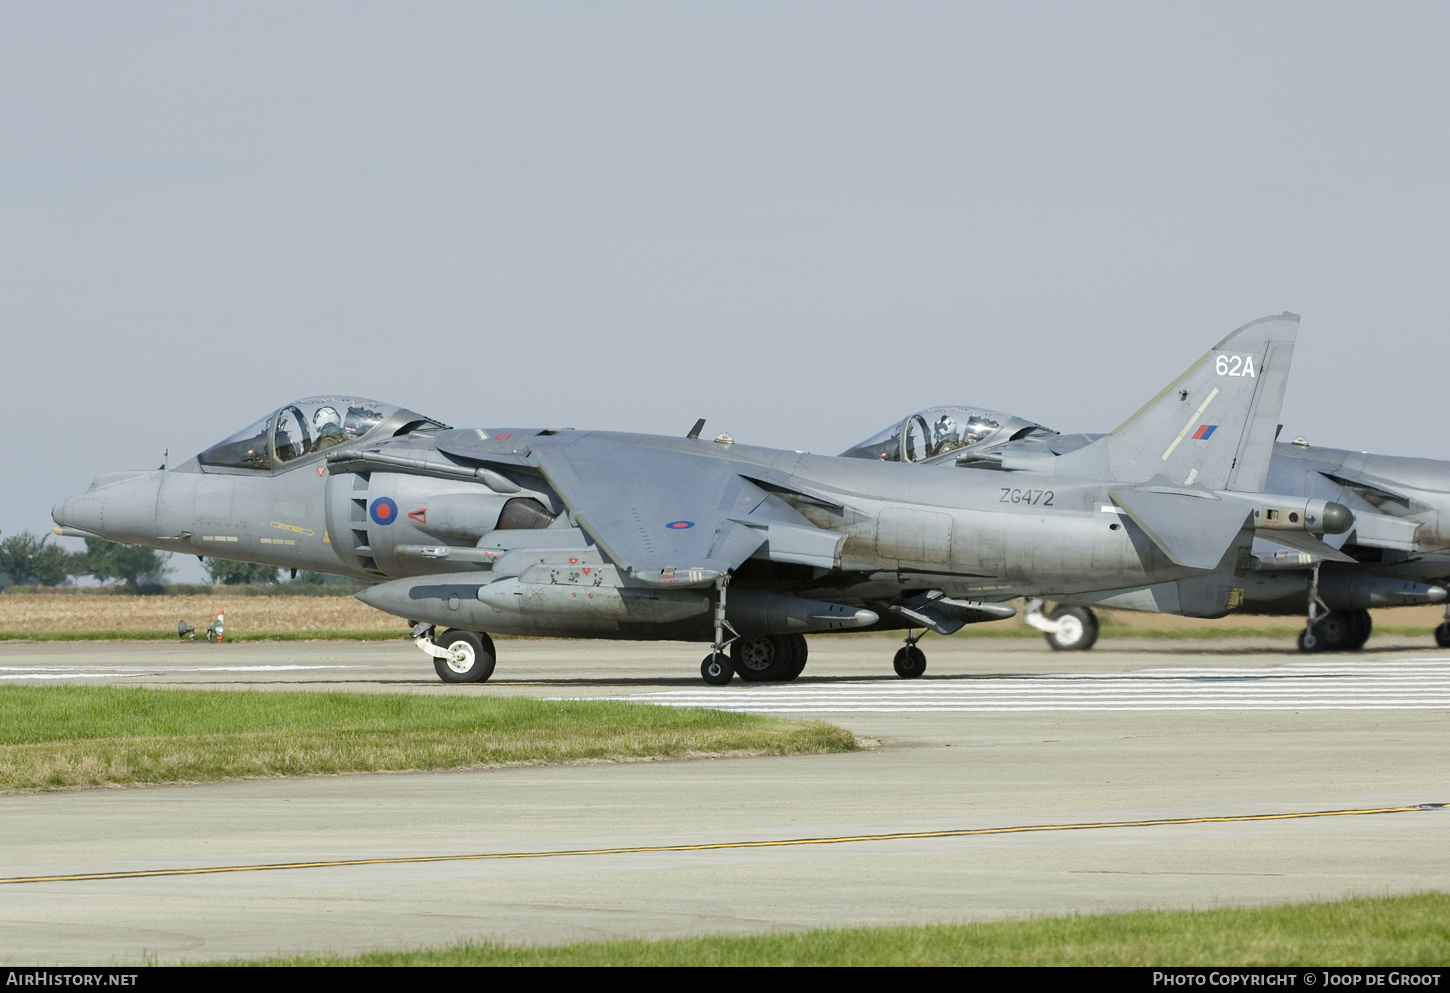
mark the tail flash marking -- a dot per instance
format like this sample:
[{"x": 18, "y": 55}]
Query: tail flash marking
[{"x": 1189, "y": 426}]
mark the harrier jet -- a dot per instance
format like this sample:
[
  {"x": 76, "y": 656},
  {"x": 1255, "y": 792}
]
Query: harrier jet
[
  {"x": 1397, "y": 553},
  {"x": 595, "y": 534}
]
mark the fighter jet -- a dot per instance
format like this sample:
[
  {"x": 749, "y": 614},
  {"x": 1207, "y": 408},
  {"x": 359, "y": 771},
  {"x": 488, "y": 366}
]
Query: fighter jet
[
  {"x": 594, "y": 534},
  {"x": 1397, "y": 553}
]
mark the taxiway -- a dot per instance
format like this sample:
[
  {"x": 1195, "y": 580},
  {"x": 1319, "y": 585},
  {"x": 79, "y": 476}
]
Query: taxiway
[{"x": 998, "y": 734}]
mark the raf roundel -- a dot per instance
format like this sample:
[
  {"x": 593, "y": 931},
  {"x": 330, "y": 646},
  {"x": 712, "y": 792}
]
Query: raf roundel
[
  {"x": 384, "y": 510},
  {"x": 680, "y": 525}
]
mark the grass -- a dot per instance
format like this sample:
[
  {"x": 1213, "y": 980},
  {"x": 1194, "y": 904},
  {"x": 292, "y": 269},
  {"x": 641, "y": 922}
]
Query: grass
[
  {"x": 55, "y": 616},
  {"x": 147, "y": 635},
  {"x": 1378, "y": 931},
  {"x": 58, "y": 737}
]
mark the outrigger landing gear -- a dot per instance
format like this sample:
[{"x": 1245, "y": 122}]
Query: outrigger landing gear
[
  {"x": 1442, "y": 633},
  {"x": 716, "y": 669},
  {"x": 910, "y": 662},
  {"x": 1325, "y": 630}
]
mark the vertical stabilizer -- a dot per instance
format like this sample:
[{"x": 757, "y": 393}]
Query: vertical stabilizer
[{"x": 1213, "y": 427}]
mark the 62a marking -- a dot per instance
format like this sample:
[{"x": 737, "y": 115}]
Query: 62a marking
[
  {"x": 1034, "y": 498},
  {"x": 1235, "y": 365}
]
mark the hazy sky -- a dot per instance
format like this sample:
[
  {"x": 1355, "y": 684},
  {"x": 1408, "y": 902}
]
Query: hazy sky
[{"x": 798, "y": 220}]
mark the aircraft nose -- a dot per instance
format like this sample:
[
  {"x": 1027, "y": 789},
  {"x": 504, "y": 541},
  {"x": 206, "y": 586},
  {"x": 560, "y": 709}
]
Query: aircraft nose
[{"x": 120, "y": 506}]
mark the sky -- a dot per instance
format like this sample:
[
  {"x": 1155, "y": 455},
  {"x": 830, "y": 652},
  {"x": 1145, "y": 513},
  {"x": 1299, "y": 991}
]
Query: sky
[{"x": 801, "y": 221}]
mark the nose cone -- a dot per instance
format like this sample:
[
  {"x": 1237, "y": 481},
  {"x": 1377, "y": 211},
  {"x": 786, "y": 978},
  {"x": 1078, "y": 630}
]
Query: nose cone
[
  {"x": 118, "y": 507},
  {"x": 1437, "y": 594}
]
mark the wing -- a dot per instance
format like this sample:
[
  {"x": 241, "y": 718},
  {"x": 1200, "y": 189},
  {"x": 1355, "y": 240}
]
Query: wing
[{"x": 678, "y": 518}]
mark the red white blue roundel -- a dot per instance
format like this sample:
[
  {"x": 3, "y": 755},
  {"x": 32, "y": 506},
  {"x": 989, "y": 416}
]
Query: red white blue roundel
[
  {"x": 383, "y": 510},
  {"x": 680, "y": 525}
]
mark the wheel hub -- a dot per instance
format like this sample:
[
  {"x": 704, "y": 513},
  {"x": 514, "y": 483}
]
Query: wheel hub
[{"x": 462, "y": 659}]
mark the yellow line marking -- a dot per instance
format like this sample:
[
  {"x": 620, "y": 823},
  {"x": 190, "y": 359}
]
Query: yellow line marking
[
  {"x": 1191, "y": 421},
  {"x": 723, "y": 845}
]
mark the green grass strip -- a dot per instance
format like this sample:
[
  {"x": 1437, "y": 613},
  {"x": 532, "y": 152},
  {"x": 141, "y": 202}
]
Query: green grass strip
[
  {"x": 57, "y": 737},
  {"x": 1380, "y": 931}
]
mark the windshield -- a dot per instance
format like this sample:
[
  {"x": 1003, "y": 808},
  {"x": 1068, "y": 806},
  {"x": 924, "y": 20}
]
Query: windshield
[
  {"x": 247, "y": 449},
  {"x": 938, "y": 432},
  {"x": 299, "y": 429}
]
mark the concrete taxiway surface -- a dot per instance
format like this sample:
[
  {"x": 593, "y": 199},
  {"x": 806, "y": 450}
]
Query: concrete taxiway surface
[{"x": 998, "y": 734}]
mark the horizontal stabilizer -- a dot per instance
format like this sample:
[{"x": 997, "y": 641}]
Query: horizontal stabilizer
[
  {"x": 1303, "y": 541},
  {"x": 1193, "y": 531}
]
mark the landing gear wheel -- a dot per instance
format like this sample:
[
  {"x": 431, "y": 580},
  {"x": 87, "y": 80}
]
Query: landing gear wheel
[
  {"x": 798, "y": 660},
  {"x": 1079, "y": 629},
  {"x": 763, "y": 659},
  {"x": 1331, "y": 633},
  {"x": 716, "y": 669},
  {"x": 477, "y": 657},
  {"x": 909, "y": 662},
  {"x": 1442, "y": 635},
  {"x": 1360, "y": 626}
]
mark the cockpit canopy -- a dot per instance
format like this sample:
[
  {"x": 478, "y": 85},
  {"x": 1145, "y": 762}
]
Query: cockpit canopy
[
  {"x": 306, "y": 427},
  {"x": 939, "y": 433}
]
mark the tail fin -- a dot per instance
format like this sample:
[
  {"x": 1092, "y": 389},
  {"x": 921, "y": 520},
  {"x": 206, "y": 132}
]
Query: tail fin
[{"x": 1213, "y": 426}]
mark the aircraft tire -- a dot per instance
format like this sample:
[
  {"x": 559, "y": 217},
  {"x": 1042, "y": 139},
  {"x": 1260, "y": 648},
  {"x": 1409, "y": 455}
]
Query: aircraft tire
[
  {"x": 1442, "y": 635},
  {"x": 1334, "y": 631},
  {"x": 1360, "y": 626},
  {"x": 479, "y": 657},
  {"x": 910, "y": 662},
  {"x": 1081, "y": 629},
  {"x": 763, "y": 659},
  {"x": 716, "y": 669},
  {"x": 798, "y": 662}
]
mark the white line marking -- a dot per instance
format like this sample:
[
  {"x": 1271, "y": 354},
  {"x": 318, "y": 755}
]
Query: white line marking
[{"x": 1397, "y": 684}]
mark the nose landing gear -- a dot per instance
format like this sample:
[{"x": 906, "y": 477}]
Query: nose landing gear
[{"x": 1068, "y": 629}]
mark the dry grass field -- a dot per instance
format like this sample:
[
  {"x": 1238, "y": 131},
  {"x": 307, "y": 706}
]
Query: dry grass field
[
  {"x": 25, "y": 613},
  {"x": 37, "y": 612}
]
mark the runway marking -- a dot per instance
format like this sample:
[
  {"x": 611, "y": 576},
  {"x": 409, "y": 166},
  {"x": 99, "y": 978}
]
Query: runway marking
[
  {"x": 726, "y": 845},
  {"x": 1338, "y": 684},
  {"x": 92, "y": 672}
]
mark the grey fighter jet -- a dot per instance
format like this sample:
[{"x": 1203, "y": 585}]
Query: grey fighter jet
[
  {"x": 1397, "y": 553},
  {"x": 605, "y": 535}
]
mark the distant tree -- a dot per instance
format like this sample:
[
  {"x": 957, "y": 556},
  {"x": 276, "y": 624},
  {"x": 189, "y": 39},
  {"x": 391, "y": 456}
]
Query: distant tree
[
  {"x": 237, "y": 573},
  {"x": 31, "y": 560},
  {"x": 307, "y": 577},
  {"x": 139, "y": 568}
]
